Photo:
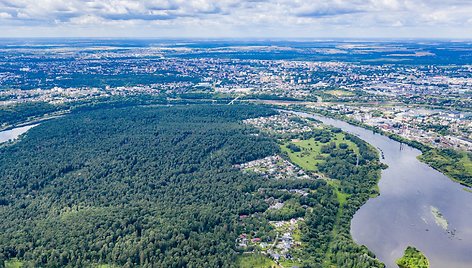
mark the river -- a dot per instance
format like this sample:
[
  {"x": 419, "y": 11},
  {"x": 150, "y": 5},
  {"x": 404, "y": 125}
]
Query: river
[
  {"x": 12, "y": 134},
  {"x": 405, "y": 213}
]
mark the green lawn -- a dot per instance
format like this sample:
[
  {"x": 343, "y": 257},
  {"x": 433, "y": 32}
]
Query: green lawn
[
  {"x": 466, "y": 162},
  {"x": 297, "y": 235},
  {"x": 342, "y": 197},
  {"x": 310, "y": 154},
  {"x": 339, "y": 93},
  {"x": 255, "y": 261},
  {"x": 13, "y": 263},
  {"x": 288, "y": 263},
  {"x": 307, "y": 157}
]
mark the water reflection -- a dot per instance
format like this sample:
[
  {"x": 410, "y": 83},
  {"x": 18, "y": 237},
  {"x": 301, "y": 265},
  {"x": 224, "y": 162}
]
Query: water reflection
[
  {"x": 13, "y": 134},
  {"x": 402, "y": 214}
]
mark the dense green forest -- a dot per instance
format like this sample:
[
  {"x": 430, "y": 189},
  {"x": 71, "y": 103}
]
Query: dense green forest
[
  {"x": 153, "y": 186},
  {"x": 131, "y": 186},
  {"x": 11, "y": 115}
]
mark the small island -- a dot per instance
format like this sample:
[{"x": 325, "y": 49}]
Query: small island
[
  {"x": 413, "y": 258},
  {"x": 441, "y": 221}
]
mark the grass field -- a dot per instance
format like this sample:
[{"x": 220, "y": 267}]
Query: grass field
[
  {"x": 310, "y": 154},
  {"x": 467, "y": 163},
  {"x": 339, "y": 93},
  {"x": 288, "y": 263},
  {"x": 342, "y": 197},
  {"x": 255, "y": 261},
  {"x": 13, "y": 263},
  {"x": 307, "y": 157}
]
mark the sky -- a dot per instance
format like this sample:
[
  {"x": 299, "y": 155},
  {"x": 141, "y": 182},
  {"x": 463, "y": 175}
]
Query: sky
[{"x": 450, "y": 19}]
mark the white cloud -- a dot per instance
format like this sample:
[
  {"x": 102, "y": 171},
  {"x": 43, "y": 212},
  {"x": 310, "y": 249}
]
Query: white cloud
[
  {"x": 4, "y": 15},
  {"x": 271, "y": 17}
]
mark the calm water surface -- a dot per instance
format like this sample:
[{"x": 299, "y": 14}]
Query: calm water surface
[
  {"x": 402, "y": 216},
  {"x": 14, "y": 133}
]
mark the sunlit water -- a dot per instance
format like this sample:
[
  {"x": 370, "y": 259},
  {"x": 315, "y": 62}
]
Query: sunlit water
[
  {"x": 401, "y": 215},
  {"x": 13, "y": 134}
]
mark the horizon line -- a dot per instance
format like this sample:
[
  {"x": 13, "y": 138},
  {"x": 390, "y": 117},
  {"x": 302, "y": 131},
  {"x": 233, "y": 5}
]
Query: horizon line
[{"x": 243, "y": 38}]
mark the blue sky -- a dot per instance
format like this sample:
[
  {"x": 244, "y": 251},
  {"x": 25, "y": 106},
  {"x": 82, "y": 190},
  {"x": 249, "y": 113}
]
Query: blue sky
[{"x": 237, "y": 19}]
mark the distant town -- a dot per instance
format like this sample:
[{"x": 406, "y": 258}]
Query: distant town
[{"x": 430, "y": 103}]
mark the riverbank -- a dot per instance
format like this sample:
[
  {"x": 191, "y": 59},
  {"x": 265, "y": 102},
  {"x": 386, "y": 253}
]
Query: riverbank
[
  {"x": 10, "y": 136},
  {"x": 401, "y": 215},
  {"x": 457, "y": 165},
  {"x": 352, "y": 169}
]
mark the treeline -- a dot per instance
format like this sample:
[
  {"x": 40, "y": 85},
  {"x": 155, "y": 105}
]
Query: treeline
[
  {"x": 134, "y": 186},
  {"x": 23, "y": 112},
  {"x": 11, "y": 115}
]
